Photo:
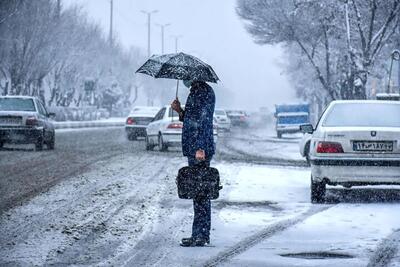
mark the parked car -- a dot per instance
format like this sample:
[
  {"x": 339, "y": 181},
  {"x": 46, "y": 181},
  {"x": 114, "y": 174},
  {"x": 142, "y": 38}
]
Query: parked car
[
  {"x": 25, "y": 120},
  {"x": 290, "y": 117},
  {"x": 238, "y": 118},
  {"x": 166, "y": 130},
  {"x": 224, "y": 123},
  {"x": 137, "y": 121},
  {"x": 355, "y": 143}
]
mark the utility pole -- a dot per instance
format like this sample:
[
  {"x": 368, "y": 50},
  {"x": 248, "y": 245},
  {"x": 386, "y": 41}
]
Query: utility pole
[
  {"x": 149, "y": 29},
  {"x": 176, "y": 37},
  {"x": 111, "y": 22},
  {"x": 162, "y": 26},
  {"x": 58, "y": 9}
]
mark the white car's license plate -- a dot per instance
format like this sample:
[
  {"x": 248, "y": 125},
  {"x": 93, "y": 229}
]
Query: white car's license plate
[{"x": 377, "y": 146}]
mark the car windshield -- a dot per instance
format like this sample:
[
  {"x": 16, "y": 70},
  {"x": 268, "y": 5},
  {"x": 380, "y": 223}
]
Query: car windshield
[
  {"x": 220, "y": 113},
  {"x": 16, "y": 104},
  {"x": 364, "y": 115}
]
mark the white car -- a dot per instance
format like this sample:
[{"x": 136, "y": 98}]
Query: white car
[
  {"x": 355, "y": 143},
  {"x": 166, "y": 130},
  {"x": 137, "y": 121},
  {"x": 224, "y": 123},
  {"x": 25, "y": 120}
]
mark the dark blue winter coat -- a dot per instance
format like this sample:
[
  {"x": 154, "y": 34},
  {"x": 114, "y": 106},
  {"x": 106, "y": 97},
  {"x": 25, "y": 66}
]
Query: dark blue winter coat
[{"x": 197, "y": 120}]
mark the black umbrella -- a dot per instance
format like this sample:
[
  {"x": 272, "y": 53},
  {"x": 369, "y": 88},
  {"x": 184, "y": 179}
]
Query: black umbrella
[{"x": 178, "y": 66}]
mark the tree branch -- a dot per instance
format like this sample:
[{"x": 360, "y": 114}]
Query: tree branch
[
  {"x": 380, "y": 35},
  {"x": 316, "y": 68},
  {"x": 371, "y": 24},
  {"x": 360, "y": 30}
]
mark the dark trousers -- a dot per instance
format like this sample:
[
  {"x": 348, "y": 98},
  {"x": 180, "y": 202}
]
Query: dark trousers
[{"x": 202, "y": 210}]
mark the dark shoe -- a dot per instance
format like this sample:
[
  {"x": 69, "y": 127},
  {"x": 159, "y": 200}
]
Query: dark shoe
[
  {"x": 201, "y": 242},
  {"x": 188, "y": 242},
  {"x": 195, "y": 242}
]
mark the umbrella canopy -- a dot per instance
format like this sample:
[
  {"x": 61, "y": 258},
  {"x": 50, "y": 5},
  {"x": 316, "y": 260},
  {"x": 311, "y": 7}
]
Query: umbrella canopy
[{"x": 178, "y": 66}]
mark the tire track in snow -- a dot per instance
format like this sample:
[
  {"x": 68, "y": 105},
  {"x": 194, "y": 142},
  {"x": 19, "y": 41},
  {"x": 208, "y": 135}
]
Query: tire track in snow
[
  {"x": 386, "y": 250},
  {"x": 267, "y": 232},
  {"x": 24, "y": 228},
  {"x": 91, "y": 235},
  {"x": 242, "y": 156},
  {"x": 36, "y": 172},
  {"x": 150, "y": 248}
]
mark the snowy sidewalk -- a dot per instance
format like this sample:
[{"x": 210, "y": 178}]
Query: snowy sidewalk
[
  {"x": 254, "y": 197},
  {"x": 264, "y": 218}
]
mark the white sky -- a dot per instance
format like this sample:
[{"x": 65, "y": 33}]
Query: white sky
[{"x": 212, "y": 31}]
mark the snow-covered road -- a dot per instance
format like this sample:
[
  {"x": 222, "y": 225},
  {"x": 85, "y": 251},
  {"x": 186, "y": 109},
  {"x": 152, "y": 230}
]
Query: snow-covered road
[{"x": 123, "y": 210}]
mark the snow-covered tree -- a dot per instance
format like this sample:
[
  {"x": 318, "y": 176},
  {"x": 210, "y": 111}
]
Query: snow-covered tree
[
  {"x": 47, "y": 50},
  {"x": 342, "y": 41}
]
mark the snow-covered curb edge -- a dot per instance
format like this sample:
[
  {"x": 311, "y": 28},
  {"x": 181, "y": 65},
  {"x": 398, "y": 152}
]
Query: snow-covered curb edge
[{"x": 86, "y": 124}]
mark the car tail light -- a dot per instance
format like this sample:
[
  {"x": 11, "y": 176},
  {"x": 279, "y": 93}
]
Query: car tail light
[
  {"x": 130, "y": 121},
  {"x": 329, "y": 147},
  {"x": 242, "y": 118},
  {"x": 31, "y": 121},
  {"x": 175, "y": 126}
]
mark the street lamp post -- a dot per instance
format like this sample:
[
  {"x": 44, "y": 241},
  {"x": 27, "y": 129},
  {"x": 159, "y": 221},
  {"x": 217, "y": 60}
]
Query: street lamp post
[
  {"x": 394, "y": 56},
  {"x": 148, "y": 13},
  {"x": 163, "y": 26},
  {"x": 176, "y": 37},
  {"x": 111, "y": 22}
]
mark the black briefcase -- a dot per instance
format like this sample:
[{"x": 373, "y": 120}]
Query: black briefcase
[{"x": 198, "y": 181}]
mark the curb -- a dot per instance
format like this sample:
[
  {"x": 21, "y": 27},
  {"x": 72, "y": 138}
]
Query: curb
[{"x": 87, "y": 124}]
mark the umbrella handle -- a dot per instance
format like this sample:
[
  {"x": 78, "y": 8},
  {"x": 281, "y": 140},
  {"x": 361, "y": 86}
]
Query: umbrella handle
[
  {"x": 176, "y": 97},
  {"x": 177, "y": 86}
]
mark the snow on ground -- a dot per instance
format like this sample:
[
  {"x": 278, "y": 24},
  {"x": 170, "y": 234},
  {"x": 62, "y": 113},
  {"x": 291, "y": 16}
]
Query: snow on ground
[
  {"x": 89, "y": 219},
  {"x": 69, "y": 130},
  {"x": 351, "y": 230},
  {"x": 258, "y": 197},
  {"x": 125, "y": 212},
  {"x": 262, "y": 142},
  {"x": 253, "y": 198},
  {"x": 96, "y": 123}
]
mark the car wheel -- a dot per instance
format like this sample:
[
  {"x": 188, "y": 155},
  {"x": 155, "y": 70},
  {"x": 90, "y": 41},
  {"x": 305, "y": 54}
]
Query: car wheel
[
  {"x": 279, "y": 134},
  {"x": 52, "y": 142},
  {"x": 318, "y": 190},
  {"x": 161, "y": 145},
  {"x": 1, "y": 144},
  {"x": 149, "y": 146},
  {"x": 39, "y": 143}
]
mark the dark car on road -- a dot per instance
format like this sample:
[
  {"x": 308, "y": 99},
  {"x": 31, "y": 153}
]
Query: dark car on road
[
  {"x": 238, "y": 118},
  {"x": 25, "y": 120},
  {"x": 137, "y": 121}
]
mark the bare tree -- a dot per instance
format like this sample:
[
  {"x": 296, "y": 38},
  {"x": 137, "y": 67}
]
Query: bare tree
[
  {"x": 42, "y": 44},
  {"x": 322, "y": 31}
]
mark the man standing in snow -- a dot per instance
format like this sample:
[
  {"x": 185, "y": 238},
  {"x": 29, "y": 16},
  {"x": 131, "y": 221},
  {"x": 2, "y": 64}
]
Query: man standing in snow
[{"x": 198, "y": 146}]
